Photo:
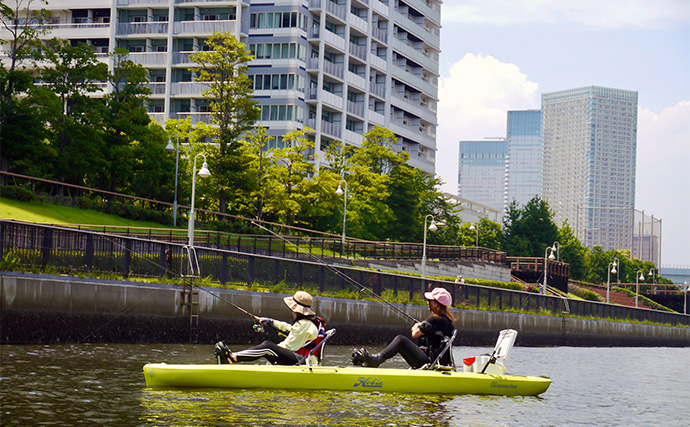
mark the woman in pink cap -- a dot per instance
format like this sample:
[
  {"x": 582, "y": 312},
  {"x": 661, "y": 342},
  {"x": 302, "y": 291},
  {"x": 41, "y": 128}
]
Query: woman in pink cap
[{"x": 431, "y": 333}]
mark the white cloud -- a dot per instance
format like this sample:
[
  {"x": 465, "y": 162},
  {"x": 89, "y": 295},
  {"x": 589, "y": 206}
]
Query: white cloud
[
  {"x": 663, "y": 176},
  {"x": 592, "y": 13},
  {"x": 473, "y": 102}
]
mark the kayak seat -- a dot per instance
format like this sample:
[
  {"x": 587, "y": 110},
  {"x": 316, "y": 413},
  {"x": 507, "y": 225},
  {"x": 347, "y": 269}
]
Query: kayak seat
[
  {"x": 318, "y": 350},
  {"x": 436, "y": 365}
]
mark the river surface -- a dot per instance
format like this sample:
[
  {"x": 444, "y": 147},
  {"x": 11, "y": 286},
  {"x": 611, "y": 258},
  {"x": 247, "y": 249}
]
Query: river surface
[{"x": 104, "y": 384}]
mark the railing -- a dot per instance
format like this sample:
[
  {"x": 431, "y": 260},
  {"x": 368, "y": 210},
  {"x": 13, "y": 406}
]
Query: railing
[
  {"x": 74, "y": 251},
  {"x": 358, "y": 51}
]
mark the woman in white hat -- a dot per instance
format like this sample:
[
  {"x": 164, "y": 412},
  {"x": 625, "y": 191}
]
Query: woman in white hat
[
  {"x": 303, "y": 334},
  {"x": 431, "y": 333}
]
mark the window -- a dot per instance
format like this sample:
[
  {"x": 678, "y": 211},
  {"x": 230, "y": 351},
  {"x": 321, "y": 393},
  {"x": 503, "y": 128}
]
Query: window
[{"x": 211, "y": 17}]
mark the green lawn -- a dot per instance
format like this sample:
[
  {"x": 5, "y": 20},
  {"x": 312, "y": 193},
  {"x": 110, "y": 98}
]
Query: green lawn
[{"x": 48, "y": 213}]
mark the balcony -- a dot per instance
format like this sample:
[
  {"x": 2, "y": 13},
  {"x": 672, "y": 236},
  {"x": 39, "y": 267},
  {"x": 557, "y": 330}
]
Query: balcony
[
  {"x": 416, "y": 55},
  {"x": 157, "y": 117},
  {"x": 149, "y": 28},
  {"x": 157, "y": 88},
  {"x": 355, "y": 109},
  {"x": 418, "y": 30},
  {"x": 124, "y": 3},
  {"x": 378, "y": 90},
  {"x": 356, "y": 81},
  {"x": 379, "y": 34},
  {"x": 331, "y": 129},
  {"x": 414, "y": 107},
  {"x": 334, "y": 40},
  {"x": 375, "y": 118},
  {"x": 188, "y": 88},
  {"x": 429, "y": 13},
  {"x": 335, "y": 70},
  {"x": 149, "y": 58},
  {"x": 195, "y": 117},
  {"x": 358, "y": 51},
  {"x": 413, "y": 80},
  {"x": 204, "y": 27}
]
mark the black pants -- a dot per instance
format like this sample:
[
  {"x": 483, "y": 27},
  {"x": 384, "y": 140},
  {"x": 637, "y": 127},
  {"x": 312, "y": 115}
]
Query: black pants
[
  {"x": 413, "y": 355},
  {"x": 270, "y": 350}
]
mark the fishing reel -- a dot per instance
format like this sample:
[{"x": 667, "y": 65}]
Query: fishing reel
[{"x": 258, "y": 327}]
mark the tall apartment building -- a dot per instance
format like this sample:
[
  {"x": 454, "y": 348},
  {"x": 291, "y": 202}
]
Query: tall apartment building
[
  {"x": 481, "y": 172},
  {"x": 590, "y": 140},
  {"x": 339, "y": 67},
  {"x": 524, "y": 156}
]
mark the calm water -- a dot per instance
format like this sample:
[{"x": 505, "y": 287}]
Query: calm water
[{"x": 104, "y": 384}]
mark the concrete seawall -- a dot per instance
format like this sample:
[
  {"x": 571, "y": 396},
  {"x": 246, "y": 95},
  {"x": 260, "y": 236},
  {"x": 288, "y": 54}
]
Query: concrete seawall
[{"x": 49, "y": 309}]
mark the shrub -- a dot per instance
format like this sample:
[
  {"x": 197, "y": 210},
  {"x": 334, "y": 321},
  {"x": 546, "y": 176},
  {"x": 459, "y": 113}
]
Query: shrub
[{"x": 16, "y": 192}]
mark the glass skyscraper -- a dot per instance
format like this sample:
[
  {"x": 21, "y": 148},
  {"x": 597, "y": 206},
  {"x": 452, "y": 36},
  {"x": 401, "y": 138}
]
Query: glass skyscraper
[
  {"x": 590, "y": 145},
  {"x": 524, "y": 156},
  {"x": 481, "y": 174}
]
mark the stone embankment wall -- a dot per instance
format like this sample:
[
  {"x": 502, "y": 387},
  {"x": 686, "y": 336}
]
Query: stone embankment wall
[{"x": 49, "y": 309}]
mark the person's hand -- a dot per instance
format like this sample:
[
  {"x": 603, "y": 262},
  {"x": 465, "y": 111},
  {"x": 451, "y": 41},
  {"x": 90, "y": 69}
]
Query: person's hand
[
  {"x": 266, "y": 321},
  {"x": 415, "y": 328}
]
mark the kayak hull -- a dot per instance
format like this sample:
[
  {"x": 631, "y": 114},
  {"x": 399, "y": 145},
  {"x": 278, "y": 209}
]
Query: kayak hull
[{"x": 161, "y": 375}]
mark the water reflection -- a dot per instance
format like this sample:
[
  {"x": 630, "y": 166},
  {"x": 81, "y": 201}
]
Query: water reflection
[{"x": 257, "y": 407}]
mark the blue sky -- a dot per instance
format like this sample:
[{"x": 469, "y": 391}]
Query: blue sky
[{"x": 502, "y": 55}]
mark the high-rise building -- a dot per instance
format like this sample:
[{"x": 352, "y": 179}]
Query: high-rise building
[
  {"x": 590, "y": 140},
  {"x": 481, "y": 175},
  {"x": 339, "y": 67},
  {"x": 524, "y": 156}
]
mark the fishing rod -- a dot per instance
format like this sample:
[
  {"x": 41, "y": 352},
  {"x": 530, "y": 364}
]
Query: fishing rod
[{"x": 337, "y": 272}]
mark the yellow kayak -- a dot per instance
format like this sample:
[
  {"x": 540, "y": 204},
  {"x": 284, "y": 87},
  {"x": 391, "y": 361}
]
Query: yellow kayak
[{"x": 351, "y": 378}]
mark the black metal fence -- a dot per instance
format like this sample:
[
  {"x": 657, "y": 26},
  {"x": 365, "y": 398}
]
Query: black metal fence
[
  {"x": 304, "y": 247},
  {"x": 75, "y": 251}
]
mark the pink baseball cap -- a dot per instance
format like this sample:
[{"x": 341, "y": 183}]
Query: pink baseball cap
[{"x": 441, "y": 295}]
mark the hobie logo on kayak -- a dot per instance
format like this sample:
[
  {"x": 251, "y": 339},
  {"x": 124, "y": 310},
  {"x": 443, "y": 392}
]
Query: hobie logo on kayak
[{"x": 368, "y": 382}]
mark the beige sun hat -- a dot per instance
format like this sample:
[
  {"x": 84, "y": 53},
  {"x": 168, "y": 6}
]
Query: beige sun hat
[{"x": 300, "y": 303}]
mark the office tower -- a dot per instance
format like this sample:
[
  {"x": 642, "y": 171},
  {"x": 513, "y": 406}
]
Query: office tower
[
  {"x": 339, "y": 67},
  {"x": 481, "y": 174},
  {"x": 524, "y": 156},
  {"x": 590, "y": 139}
]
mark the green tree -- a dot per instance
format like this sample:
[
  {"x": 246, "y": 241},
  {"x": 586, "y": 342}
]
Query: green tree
[
  {"x": 287, "y": 172},
  {"x": 572, "y": 251},
  {"x": 367, "y": 175},
  {"x": 488, "y": 233},
  {"x": 72, "y": 75},
  {"x": 136, "y": 160},
  {"x": 15, "y": 80},
  {"x": 223, "y": 68},
  {"x": 529, "y": 230}
]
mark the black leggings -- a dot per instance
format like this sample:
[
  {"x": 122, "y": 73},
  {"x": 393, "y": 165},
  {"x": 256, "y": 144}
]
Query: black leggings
[
  {"x": 270, "y": 350},
  {"x": 413, "y": 355}
]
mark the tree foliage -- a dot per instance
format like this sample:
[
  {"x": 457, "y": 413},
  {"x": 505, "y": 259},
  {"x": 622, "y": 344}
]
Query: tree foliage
[{"x": 529, "y": 230}]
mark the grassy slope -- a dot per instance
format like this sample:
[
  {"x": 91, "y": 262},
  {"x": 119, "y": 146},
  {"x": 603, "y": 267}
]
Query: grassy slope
[{"x": 48, "y": 213}]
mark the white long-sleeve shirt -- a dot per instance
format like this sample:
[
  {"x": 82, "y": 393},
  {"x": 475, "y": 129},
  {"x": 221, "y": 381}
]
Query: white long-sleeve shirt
[{"x": 299, "y": 333}]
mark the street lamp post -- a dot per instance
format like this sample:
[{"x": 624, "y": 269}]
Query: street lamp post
[
  {"x": 343, "y": 184},
  {"x": 608, "y": 280},
  {"x": 432, "y": 227},
  {"x": 170, "y": 147},
  {"x": 685, "y": 297},
  {"x": 546, "y": 265},
  {"x": 637, "y": 284},
  {"x": 204, "y": 173},
  {"x": 557, "y": 248},
  {"x": 652, "y": 273},
  {"x": 476, "y": 239}
]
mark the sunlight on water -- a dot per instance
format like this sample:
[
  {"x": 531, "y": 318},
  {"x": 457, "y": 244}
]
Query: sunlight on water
[{"x": 104, "y": 384}]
